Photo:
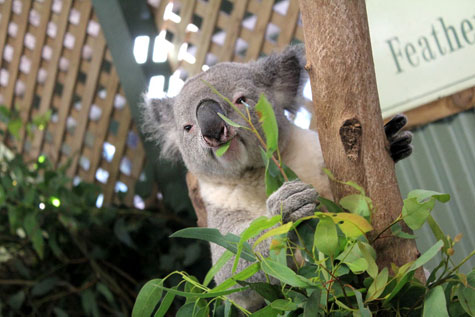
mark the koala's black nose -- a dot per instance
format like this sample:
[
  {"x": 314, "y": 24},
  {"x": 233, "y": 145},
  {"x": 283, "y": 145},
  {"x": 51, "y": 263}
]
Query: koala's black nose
[{"x": 213, "y": 128}]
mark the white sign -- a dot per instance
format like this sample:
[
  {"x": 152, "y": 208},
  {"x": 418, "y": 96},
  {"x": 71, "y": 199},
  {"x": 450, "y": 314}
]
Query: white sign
[{"x": 422, "y": 49}]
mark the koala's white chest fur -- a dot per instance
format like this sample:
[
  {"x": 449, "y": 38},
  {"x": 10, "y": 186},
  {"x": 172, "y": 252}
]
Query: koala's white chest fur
[{"x": 246, "y": 200}]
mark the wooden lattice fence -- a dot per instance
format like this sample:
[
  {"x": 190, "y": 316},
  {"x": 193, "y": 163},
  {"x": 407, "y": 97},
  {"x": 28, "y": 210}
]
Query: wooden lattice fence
[
  {"x": 226, "y": 30},
  {"x": 54, "y": 57},
  {"x": 242, "y": 30}
]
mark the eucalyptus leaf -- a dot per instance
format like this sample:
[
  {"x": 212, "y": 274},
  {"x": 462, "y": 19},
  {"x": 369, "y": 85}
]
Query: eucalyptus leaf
[
  {"x": 326, "y": 237},
  {"x": 33, "y": 230},
  {"x": 255, "y": 227},
  {"x": 229, "y": 241},
  {"x": 357, "y": 204},
  {"x": 44, "y": 286},
  {"x": 16, "y": 300},
  {"x": 269, "y": 123},
  {"x": 225, "y": 257},
  {"x": 378, "y": 285},
  {"x": 312, "y": 306},
  {"x": 223, "y": 149},
  {"x": 268, "y": 291},
  {"x": 284, "y": 274},
  {"x": 435, "y": 304},
  {"x": 283, "y": 305},
  {"x": 267, "y": 311},
  {"x": 396, "y": 230},
  {"x": 165, "y": 304},
  {"x": 148, "y": 297},
  {"x": 283, "y": 229},
  {"x": 89, "y": 303},
  {"x": 415, "y": 213}
]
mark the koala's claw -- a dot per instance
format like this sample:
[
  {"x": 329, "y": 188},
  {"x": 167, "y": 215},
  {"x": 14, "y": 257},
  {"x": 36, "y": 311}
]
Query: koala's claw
[
  {"x": 294, "y": 199},
  {"x": 399, "y": 141}
]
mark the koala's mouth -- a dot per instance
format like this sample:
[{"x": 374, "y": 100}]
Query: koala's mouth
[{"x": 225, "y": 135}]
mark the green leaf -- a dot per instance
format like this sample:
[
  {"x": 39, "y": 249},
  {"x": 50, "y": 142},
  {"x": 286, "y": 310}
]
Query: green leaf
[
  {"x": 241, "y": 276},
  {"x": 268, "y": 291},
  {"x": 225, "y": 257},
  {"x": 435, "y": 304},
  {"x": 427, "y": 256},
  {"x": 3, "y": 197},
  {"x": 423, "y": 195},
  {"x": 186, "y": 310},
  {"x": 418, "y": 205},
  {"x": 326, "y": 236},
  {"x": 256, "y": 227},
  {"x": 330, "y": 205},
  {"x": 231, "y": 122},
  {"x": 193, "y": 292},
  {"x": 104, "y": 290},
  {"x": 415, "y": 213},
  {"x": 33, "y": 231},
  {"x": 14, "y": 126},
  {"x": 396, "y": 230},
  {"x": 16, "y": 301},
  {"x": 122, "y": 233},
  {"x": 165, "y": 304},
  {"x": 357, "y": 266},
  {"x": 267, "y": 311},
  {"x": 60, "y": 312},
  {"x": 357, "y": 204},
  {"x": 223, "y": 149},
  {"x": 148, "y": 298},
  {"x": 89, "y": 303},
  {"x": 14, "y": 214},
  {"x": 283, "y": 229},
  {"x": 352, "y": 225},
  {"x": 466, "y": 294},
  {"x": 423, "y": 259},
  {"x": 229, "y": 241},
  {"x": 44, "y": 287},
  {"x": 378, "y": 285},
  {"x": 437, "y": 231},
  {"x": 289, "y": 172},
  {"x": 284, "y": 274},
  {"x": 273, "y": 177},
  {"x": 283, "y": 305},
  {"x": 372, "y": 266},
  {"x": 362, "y": 310},
  {"x": 312, "y": 306},
  {"x": 269, "y": 123},
  {"x": 5, "y": 114}
]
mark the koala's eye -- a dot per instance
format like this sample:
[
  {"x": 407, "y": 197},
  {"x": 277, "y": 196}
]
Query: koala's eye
[
  {"x": 187, "y": 127},
  {"x": 241, "y": 100}
]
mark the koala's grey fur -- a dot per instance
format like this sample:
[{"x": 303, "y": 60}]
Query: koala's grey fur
[{"x": 232, "y": 186}]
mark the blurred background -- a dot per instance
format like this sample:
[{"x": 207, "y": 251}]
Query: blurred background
[{"x": 86, "y": 206}]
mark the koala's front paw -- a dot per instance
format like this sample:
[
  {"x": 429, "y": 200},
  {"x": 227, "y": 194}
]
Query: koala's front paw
[
  {"x": 399, "y": 141},
  {"x": 294, "y": 199}
]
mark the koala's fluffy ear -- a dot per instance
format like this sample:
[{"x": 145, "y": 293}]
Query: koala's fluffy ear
[
  {"x": 158, "y": 124},
  {"x": 284, "y": 73}
]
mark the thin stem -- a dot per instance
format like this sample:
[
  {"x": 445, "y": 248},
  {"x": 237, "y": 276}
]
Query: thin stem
[
  {"x": 442, "y": 280},
  {"x": 399, "y": 218}
]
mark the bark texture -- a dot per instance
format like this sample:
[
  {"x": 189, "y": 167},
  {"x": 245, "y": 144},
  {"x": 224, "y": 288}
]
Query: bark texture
[{"x": 349, "y": 120}]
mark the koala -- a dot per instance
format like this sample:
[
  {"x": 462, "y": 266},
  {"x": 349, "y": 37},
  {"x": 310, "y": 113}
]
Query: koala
[{"x": 187, "y": 127}]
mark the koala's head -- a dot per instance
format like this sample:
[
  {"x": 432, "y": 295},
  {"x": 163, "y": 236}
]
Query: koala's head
[{"x": 188, "y": 126}]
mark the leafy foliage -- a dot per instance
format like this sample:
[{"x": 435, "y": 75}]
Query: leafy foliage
[
  {"x": 60, "y": 255},
  {"x": 338, "y": 275}
]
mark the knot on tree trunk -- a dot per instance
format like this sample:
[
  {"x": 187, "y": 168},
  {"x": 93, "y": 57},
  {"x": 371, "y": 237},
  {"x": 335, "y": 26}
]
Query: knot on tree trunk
[{"x": 350, "y": 135}]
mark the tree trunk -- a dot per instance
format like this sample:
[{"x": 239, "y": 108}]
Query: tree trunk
[{"x": 349, "y": 120}]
